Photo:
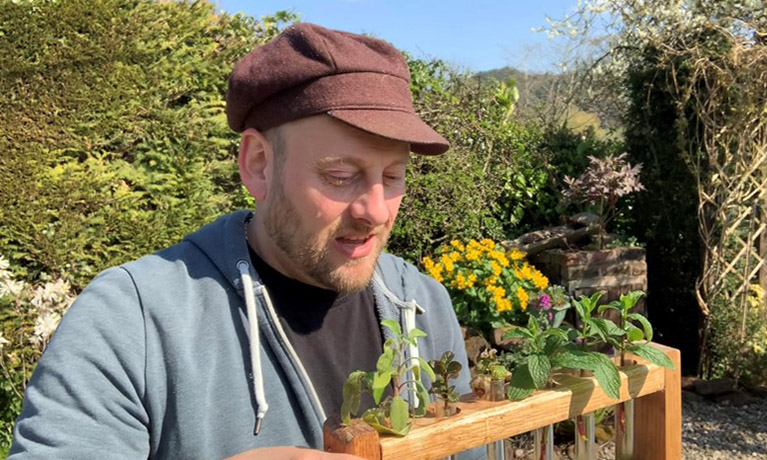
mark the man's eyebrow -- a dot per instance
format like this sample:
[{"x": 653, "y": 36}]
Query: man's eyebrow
[
  {"x": 334, "y": 161},
  {"x": 356, "y": 162}
]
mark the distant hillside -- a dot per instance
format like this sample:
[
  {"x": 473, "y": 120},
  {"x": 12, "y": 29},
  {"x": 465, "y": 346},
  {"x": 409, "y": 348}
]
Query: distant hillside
[{"x": 539, "y": 93}]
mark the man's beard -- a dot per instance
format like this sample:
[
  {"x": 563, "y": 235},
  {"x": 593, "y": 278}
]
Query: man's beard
[{"x": 284, "y": 226}]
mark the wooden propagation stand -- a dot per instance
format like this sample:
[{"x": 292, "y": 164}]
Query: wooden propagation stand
[{"x": 657, "y": 422}]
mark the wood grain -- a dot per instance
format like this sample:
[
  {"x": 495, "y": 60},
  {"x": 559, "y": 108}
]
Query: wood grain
[
  {"x": 358, "y": 438},
  {"x": 658, "y": 417}
]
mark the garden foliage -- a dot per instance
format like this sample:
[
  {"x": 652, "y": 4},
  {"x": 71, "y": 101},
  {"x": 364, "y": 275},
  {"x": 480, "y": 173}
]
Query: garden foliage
[{"x": 115, "y": 144}]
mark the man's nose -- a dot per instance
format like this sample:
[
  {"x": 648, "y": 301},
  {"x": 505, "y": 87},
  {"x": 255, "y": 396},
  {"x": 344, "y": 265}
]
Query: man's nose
[{"x": 371, "y": 205}]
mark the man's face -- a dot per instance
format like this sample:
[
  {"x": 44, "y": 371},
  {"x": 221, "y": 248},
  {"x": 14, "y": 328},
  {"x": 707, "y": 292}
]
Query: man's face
[{"x": 331, "y": 207}]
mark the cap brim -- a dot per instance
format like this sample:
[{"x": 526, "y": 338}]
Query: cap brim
[{"x": 397, "y": 125}]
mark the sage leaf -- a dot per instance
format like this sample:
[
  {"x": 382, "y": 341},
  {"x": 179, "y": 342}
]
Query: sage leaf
[
  {"x": 399, "y": 414},
  {"x": 393, "y": 326},
  {"x": 426, "y": 368},
  {"x": 381, "y": 380},
  {"x": 385, "y": 361},
  {"x": 415, "y": 334}
]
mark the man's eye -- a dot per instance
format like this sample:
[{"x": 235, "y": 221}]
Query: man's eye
[{"x": 339, "y": 179}]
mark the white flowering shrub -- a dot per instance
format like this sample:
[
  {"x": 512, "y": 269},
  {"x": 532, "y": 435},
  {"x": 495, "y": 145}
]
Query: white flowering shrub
[{"x": 29, "y": 315}]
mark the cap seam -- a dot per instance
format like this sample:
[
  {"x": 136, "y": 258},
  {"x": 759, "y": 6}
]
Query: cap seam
[
  {"x": 327, "y": 50},
  {"x": 390, "y": 108}
]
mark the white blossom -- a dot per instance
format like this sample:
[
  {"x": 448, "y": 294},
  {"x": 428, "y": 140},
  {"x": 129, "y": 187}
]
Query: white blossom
[
  {"x": 3, "y": 341},
  {"x": 46, "y": 325},
  {"x": 12, "y": 287}
]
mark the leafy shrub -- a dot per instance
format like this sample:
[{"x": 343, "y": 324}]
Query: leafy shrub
[{"x": 114, "y": 144}]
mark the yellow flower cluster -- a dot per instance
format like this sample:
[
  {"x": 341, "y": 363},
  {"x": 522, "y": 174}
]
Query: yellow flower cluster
[
  {"x": 499, "y": 297},
  {"x": 523, "y": 297},
  {"x": 528, "y": 272},
  {"x": 484, "y": 270}
]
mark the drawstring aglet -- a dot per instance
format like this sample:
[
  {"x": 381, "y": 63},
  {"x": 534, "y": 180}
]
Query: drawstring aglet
[{"x": 257, "y": 428}]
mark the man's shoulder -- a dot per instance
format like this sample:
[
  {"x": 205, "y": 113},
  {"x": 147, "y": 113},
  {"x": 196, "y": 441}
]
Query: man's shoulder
[{"x": 408, "y": 282}]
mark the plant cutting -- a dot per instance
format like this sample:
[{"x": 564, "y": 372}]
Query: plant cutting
[
  {"x": 392, "y": 414},
  {"x": 445, "y": 369},
  {"x": 553, "y": 349},
  {"x": 626, "y": 337},
  {"x": 594, "y": 331}
]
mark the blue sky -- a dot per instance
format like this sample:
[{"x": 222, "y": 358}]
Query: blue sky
[{"x": 474, "y": 35}]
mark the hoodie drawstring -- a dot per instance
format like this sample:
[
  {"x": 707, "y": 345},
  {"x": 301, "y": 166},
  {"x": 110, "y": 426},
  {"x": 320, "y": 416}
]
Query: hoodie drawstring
[
  {"x": 255, "y": 345},
  {"x": 409, "y": 310}
]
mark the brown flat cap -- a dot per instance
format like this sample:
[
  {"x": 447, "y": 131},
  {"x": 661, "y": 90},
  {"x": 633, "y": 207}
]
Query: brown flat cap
[{"x": 308, "y": 70}]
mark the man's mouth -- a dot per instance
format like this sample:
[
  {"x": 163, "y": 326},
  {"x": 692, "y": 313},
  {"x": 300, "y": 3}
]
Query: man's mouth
[{"x": 356, "y": 246}]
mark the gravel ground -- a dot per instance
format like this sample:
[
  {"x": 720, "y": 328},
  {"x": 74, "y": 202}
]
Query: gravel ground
[
  {"x": 719, "y": 431},
  {"x": 710, "y": 431}
]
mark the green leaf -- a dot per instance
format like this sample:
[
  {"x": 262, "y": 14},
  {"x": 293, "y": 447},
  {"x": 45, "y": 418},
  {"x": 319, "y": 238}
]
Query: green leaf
[
  {"x": 628, "y": 301},
  {"x": 381, "y": 380},
  {"x": 600, "y": 365},
  {"x": 521, "y": 385},
  {"x": 633, "y": 333},
  {"x": 652, "y": 354},
  {"x": 579, "y": 308},
  {"x": 426, "y": 368},
  {"x": 533, "y": 326},
  {"x": 415, "y": 333},
  {"x": 607, "y": 327},
  {"x": 453, "y": 368},
  {"x": 608, "y": 306},
  {"x": 423, "y": 399},
  {"x": 393, "y": 326},
  {"x": 385, "y": 361},
  {"x": 517, "y": 333},
  {"x": 645, "y": 324},
  {"x": 399, "y": 414},
  {"x": 352, "y": 391},
  {"x": 539, "y": 367}
]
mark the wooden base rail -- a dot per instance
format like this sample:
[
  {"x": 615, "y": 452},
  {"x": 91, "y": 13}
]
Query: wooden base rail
[{"x": 657, "y": 422}]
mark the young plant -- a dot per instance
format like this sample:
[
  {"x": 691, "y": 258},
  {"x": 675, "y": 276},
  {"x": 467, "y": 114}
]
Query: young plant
[
  {"x": 624, "y": 336},
  {"x": 553, "y": 349},
  {"x": 445, "y": 369},
  {"x": 391, "y": 415},
  {"x": 594, "y": 331}
]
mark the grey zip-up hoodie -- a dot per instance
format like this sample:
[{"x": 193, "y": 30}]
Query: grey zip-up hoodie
[{"x": 154, "y": 359}]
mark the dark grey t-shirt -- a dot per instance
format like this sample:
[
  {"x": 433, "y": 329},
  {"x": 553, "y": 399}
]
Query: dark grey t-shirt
[{"x": 333, "y": 334}]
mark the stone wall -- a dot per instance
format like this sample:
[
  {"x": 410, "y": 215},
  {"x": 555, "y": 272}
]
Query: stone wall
[{"x": 615, "y": 271}]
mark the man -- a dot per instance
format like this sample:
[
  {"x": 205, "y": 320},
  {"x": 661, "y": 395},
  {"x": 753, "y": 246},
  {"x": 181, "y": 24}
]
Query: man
[{"x": 238, "y": 339}]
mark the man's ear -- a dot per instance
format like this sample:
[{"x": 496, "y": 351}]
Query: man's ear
[{"x": 256, "y": 163}]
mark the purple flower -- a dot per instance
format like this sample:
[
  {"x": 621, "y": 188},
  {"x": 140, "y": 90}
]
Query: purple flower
[{"x": 543, "y": 302}]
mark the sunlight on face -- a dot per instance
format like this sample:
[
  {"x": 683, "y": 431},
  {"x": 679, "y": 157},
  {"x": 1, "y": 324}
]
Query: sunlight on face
[{"x": 330, "y": 209}]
